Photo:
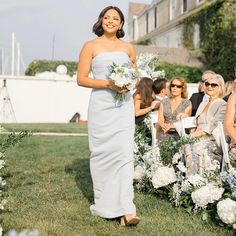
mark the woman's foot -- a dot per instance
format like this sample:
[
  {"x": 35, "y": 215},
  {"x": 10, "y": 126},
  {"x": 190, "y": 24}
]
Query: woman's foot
[{"x": 129, "y": 220}]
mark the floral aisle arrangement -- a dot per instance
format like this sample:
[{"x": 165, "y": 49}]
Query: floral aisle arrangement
[
  {"x": 147, "y": 64},
  {"x": 162, "y": 170},
  {"x": 5, "y": 143},
  {"x": 124, "y": 77}
]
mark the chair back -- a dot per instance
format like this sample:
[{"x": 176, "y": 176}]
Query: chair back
[
  {"x": 223, "y": 144},
  {"x": 154, "y": 120},
  {"x": 186, "y": 123}
]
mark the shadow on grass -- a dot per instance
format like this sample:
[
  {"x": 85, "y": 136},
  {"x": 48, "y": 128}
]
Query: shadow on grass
[{"x": 80, "y": 169}]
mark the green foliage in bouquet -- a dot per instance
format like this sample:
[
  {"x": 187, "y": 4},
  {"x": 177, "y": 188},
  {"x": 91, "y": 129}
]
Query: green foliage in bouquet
[{"x": 171, "y": 146}]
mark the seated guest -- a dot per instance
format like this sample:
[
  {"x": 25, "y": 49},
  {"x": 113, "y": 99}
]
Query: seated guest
[
  {"x": 199, "y": 154},
  {"x": 144, "y": 101},
  {"x": 230, "y": 125},
  {"x": 160, "y": 90},
  {"x": 174, "y": 107},
  {"x": 230, "y": 87},
  {"x": 197, "y": 98}
]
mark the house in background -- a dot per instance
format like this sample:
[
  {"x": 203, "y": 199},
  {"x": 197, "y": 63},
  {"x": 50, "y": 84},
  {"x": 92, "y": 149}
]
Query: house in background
[{"x": 160, "y": 22}]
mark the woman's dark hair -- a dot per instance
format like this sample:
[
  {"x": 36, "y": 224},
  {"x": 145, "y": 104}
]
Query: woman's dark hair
[
  {"x": 97, "y": 27},
  {"x": 144, "y": 89},
  {"x": 158, "y": 85}
]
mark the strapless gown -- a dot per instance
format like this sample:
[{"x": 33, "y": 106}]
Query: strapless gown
[{"x": 111, "y": 136}]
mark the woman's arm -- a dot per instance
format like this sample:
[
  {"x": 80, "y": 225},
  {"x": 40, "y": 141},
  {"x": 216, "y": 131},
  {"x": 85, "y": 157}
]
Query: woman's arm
[
  {"x": 187, "y": 112},
  {"x": 83, "y": 70},
  {"x": 229, "y": 118},
  {"x": 212, "y": 122},
  {"x": 137, "y": 109}
]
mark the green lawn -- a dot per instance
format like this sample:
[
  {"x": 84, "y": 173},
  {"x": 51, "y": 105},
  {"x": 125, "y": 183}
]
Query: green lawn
[
  {"x": 47, "y": 127},
  {"x": 50, "y": 189}
]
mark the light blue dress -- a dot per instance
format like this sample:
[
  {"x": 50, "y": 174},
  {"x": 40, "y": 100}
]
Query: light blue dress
[{"x": 111, "y": 138}]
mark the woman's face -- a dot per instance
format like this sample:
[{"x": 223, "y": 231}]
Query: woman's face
[
  {"x": 111, "y": 21},
  {"x": 212, "y": 88},
  {"x": 176, "y": 88}
]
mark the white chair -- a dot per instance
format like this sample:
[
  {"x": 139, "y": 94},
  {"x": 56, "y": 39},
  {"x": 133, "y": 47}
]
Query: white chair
[
  {"x": 154, "y": 120},
  {"x": 219, "y": 136},
  {"x": 183, "y": 124}
]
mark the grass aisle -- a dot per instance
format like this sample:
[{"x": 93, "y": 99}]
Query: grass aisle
[{"x": 50, "y": 189}]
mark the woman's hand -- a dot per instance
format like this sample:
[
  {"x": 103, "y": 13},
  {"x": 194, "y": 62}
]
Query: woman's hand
[
  {"x": 112, "y": 86},
  {"x": 166, "y": 127},
  {"x": 123, "y": 90},
  {"x": 153, "y": 104}
]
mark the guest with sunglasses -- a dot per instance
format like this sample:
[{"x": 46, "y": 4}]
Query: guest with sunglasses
[
  {"x": 230, "y": 126},
  {"x": 174, "y": 107},
  {"x": 197, "y": 98},
  {"x": 208, "y": 114}
]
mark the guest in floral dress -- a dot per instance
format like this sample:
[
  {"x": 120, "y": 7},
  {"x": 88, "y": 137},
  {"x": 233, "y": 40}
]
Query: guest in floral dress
[
  {"x": 230, "y": 125},
  {"x": 174, "y": 107},
  {"x": 199, "y": 155}
]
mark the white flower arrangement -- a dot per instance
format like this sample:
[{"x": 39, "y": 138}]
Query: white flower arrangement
[
  {"x": 123, "y": 77},
  {"x": 226, "y": 210},
  {"x": 163, "y": 176},
  {"x": 146, "y": 63},
  {"x": 197, "y": 180},
  {"x": 207, "y": 194},
  {"x": 139, "y": 172}
]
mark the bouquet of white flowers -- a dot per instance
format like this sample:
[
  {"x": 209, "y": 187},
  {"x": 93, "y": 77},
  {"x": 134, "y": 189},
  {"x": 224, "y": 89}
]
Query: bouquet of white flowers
[{"x": 124, "y": 77}]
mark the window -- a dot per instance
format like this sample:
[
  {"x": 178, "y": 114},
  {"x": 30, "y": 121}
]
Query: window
[
  {"x": 172, "y": 9},
  {"x": 147, "y": 22},
  {"x": 155, "y": 17},
  {"x": 200, "y": 1},
  {"x": 184, "y": 6},
  {"x": 196, "y": 36},
  {"x": 133, "y": 26}
]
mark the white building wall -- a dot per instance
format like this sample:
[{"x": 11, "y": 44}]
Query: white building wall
[
  {"x": 142, "y": 25},
  {"x": 151, "y": 20},
  {"x": 171, "y": 38},
  {"x": 39, "y": 100},
  {"x": 49, "y": 101}
]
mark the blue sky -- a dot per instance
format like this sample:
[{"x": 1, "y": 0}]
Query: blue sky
[{"x": 36, "y": 21}]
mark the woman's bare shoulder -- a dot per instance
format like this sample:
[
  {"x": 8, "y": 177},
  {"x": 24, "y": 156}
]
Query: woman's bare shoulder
[
  {"x": 91, "y": 46},
  {"x": 137, "y": 96}
]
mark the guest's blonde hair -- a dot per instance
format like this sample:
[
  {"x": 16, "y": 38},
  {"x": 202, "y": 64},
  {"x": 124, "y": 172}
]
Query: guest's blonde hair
[
  {"x": 184, "y": 93},
  {"x": 220, "y": 81},
  {"x": 228, "y": 87}
]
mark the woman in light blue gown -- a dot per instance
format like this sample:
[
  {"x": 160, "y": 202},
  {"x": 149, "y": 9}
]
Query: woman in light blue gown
[{"x": 110, "y": 125}]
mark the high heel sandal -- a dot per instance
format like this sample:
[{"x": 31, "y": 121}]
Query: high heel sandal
[{"x": 129, "y": 221}]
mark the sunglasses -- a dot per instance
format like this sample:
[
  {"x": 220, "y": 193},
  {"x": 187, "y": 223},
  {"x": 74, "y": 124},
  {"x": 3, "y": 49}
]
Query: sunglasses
[
  {"x": 213, "y": 85},
  {"x": 176, "y": 85}
]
